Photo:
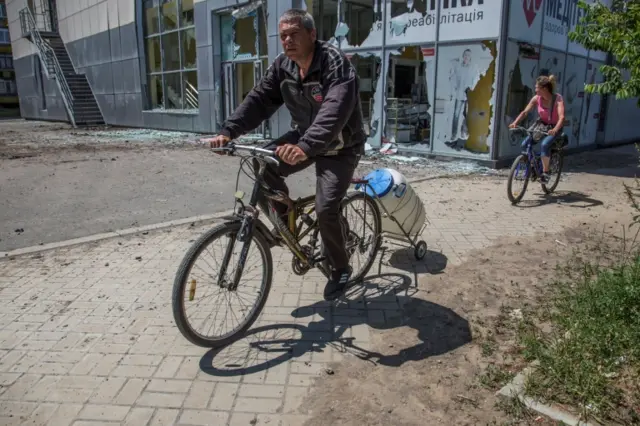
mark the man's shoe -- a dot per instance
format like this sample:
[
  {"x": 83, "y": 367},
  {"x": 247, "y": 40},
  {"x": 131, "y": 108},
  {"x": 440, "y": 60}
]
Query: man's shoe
[{"x": 337, "y": 284}]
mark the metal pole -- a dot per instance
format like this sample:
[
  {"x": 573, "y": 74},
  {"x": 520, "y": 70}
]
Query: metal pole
[
  {"x": 383, "y": 71},
  {"x": 500, "y": 62},
  {"x": 432, "y": 133}
]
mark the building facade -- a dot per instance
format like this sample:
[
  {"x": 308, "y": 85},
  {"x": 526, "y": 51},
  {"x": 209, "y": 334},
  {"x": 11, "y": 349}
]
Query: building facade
[
  {"x": 9, "y": 104},
  {"x": 441, "y": 77}
]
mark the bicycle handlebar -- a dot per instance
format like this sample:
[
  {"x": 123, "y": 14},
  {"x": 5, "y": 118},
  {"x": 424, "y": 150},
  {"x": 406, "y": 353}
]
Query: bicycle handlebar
[{"x": 254, "y": 151}]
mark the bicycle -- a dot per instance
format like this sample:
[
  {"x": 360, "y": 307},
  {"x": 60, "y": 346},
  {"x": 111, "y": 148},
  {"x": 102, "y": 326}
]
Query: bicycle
[
  {"x": 530, "y": 164},
  {"x": 245, "y": 227}
]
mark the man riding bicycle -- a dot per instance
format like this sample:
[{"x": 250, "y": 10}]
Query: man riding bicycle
[{"x": 318, "y": 85}]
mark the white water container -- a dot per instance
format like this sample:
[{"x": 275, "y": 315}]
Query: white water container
[{"x": 400, "y": 200}]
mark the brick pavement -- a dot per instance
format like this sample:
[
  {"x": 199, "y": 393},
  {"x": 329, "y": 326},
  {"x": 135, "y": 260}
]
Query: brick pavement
[{"x": 87, "y": 336}]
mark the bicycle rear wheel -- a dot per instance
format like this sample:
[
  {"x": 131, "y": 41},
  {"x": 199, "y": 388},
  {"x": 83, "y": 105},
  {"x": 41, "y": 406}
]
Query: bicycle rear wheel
[
  {"x": 197, "y": 276},
  {"x": 555, "y": 171},
  {"x": 363, "y": 217},
  {"x": 520, "y": 171}
]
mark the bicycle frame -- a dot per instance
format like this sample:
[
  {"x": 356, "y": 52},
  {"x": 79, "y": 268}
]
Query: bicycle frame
[
  {"x": 534, "y": 160},
  {"x": 291, "y": 233}
]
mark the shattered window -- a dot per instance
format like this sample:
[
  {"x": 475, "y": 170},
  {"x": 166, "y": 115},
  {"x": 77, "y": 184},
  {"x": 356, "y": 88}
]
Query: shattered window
[
  {"x": 368, "y": 69},
  {"x": 325, "y": 14},
  {"x": 245, "y": 37},
  {"x": 409, "y": 81},
  {"x": 399, "y": 7},
  {"x": 239, "y": 34},
  {"x": 361, "y": 18}
]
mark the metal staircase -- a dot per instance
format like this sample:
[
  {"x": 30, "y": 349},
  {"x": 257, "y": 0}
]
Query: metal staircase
[{"x": 79, "y": 101}]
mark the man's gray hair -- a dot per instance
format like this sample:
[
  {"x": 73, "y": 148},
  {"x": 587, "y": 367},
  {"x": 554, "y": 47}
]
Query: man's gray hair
[{"x": 299, "y": 15}]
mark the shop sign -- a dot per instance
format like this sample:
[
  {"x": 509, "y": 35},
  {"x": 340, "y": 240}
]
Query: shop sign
[{"x": 459, "y": 20}]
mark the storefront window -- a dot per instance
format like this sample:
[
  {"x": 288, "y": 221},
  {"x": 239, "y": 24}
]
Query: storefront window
[
  {"x": 521, "y": 70},
  {"x": 402, "y": 7},
  {"x": 325, "y": 15},
  {"x": 171, "y": 54},
  {"x": 409, "y": 23},
  {"x": 410, "y": 79},
  {"x": 243, "y": 36},
  {"x": 573, "y": 97},
  {"x": 361, "y": 24},
  {"x": 368, "y": 69},
  {"x": 591, "y": 107},
  {"x": 464, "y": 106}
]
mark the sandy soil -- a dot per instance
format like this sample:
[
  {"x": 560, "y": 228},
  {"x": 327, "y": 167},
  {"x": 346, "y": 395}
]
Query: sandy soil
[
  {"x": 430, "y": 366},
  {"x": 429, "y": 369}
]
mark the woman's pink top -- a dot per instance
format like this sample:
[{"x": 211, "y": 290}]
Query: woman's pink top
[{"x": 543, "y": 112}]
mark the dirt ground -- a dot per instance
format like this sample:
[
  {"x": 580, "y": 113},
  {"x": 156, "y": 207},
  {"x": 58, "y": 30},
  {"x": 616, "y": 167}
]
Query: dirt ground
[{"x": 432, "y": 366}]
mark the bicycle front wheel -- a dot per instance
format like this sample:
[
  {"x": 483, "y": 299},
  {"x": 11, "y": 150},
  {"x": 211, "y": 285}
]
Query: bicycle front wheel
[
  {"x": 519, "y": 174},
  {"x": 204, "y": 297}
]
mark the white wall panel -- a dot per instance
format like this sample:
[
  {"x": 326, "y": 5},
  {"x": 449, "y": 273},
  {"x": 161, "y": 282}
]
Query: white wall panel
[
  {"x": 103, "y": 17},
  {"x": 112, "y": 10},
  {"x": 126, "y": 12}
]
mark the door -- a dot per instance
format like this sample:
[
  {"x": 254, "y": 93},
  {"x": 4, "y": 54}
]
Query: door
[
  {"x": 257, "y": 75},
  {"x": 244, "y": 57},
  {"x": 239, "y": 78}
]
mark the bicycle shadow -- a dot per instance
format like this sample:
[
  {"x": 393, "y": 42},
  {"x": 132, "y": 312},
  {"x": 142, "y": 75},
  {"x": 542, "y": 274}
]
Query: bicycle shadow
[
  {"x": 571, "y": 198},
  {"x": 403, "y": 258},
  {"x": 383, "y": 302}
]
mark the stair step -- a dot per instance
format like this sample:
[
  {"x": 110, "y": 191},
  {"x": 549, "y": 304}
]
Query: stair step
[{"x": 95, "y": 115}]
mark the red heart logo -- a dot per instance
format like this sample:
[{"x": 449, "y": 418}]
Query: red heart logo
[{"x": 531, "y": 8}]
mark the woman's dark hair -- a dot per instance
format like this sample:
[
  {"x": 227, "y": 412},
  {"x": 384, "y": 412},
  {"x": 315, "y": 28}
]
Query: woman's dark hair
[{"x": 547, "y": 82}]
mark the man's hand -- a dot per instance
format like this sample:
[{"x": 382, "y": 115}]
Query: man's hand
[
  {"x": 216, "y": 142},
  {"x": 291, "y": 154}
]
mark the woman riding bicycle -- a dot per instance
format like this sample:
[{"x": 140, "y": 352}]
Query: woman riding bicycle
[{"x": 550, "y": 107}]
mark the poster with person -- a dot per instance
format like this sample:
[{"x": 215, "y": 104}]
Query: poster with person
[{"x": 464, "y": 94}]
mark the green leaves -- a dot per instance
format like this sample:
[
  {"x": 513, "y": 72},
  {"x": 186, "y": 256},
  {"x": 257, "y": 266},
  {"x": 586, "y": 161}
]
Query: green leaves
[{"x": 615, "y": 31}]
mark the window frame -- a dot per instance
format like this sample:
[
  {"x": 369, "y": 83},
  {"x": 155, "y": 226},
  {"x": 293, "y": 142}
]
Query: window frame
[
  {"x": 3, "y": 39},
  {"x": 180, "y": 30},
  {"x": 6, "y": 61}
]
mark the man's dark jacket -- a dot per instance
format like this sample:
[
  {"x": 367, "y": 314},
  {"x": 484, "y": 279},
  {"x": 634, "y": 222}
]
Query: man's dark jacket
[{"x": 325, "y": 107}]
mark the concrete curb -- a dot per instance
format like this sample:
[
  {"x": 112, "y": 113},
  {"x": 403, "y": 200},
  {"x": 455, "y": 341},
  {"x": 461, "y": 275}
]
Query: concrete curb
[
  {"x": 114, "y": 234},
  {"x": 515, "y": 389},
  {"x": 162, "y": 225}
]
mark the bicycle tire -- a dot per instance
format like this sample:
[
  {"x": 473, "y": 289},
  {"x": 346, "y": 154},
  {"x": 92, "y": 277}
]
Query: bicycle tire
[
  {"x": 519, "y": 159},
  {"x": 180, "y": 283},
  {"x": 549, "y": 189},
  {"x": 377, "y": 226}
]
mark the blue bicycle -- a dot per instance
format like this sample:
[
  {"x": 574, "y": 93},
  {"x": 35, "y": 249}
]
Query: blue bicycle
[{"x": 528, "y": 166}]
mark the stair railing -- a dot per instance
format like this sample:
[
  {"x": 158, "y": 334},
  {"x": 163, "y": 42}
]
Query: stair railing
[
  {"x": 191, "y": 95},
  {"x": 49, "y": 60}
]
